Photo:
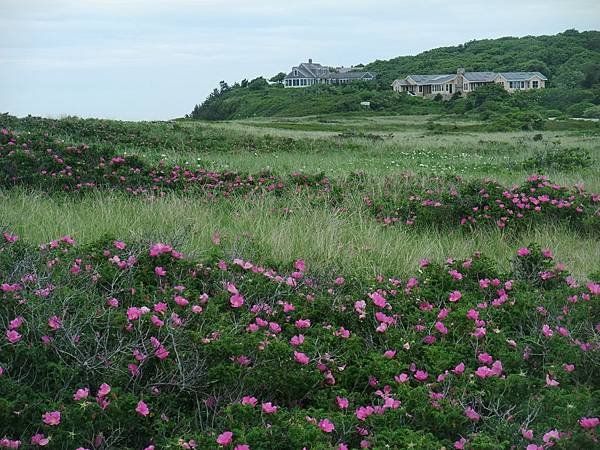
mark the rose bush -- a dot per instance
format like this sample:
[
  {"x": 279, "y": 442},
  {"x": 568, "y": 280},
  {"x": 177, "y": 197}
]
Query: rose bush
[{"x": 101, "y": 349}]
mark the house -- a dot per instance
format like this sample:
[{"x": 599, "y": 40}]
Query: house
[
  {"x": 464, "y": 82},
  {"x": 309, "y": 73}
]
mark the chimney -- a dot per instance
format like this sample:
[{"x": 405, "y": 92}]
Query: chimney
[
  {"x": 310, "y": 60},
  {"x": 460, "y": 76}
]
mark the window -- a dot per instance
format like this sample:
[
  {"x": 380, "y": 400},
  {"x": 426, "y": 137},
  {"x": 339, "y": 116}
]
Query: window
[
  {"x": 522, "y": 84},
  {"x": 535, "y": 84},
  {"x": 295, "y": 73},
  {"x": 420, "y": 88}
]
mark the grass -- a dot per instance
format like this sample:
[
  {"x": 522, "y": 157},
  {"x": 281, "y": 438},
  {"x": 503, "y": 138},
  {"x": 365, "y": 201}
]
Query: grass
[
  {"x": 329, "y": 240},
  {"x": 346, "y": 239}
]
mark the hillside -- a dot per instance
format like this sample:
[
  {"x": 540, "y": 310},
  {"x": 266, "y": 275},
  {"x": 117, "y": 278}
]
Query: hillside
[{"x": 571, "y": 60}]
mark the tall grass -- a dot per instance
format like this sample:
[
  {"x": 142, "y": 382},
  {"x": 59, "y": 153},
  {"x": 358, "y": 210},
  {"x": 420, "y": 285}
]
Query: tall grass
[{"x": 260, "y": 229}]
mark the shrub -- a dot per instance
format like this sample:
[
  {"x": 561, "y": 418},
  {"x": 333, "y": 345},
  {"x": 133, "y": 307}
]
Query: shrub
[
  {"x": 564, "y": 159},
  {"x": 217, "y": 352}
]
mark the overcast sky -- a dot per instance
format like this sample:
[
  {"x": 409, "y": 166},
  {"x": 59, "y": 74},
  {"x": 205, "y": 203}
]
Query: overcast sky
[{"x": 151, "y": 59}]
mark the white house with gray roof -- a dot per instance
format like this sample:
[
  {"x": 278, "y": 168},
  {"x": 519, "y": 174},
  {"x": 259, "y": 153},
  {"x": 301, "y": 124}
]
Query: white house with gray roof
[
  {"x": 464, "y": 82},
  {"x": 309, "y": 73}
]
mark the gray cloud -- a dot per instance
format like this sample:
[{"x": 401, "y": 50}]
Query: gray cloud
[{"x": 145, "y": 59}]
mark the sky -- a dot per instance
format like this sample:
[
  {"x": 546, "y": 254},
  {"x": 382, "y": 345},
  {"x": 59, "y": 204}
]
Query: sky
[{"x": 154, "y": 60}]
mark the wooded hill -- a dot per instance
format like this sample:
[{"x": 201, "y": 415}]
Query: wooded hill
[{"x": 571, "y": 61}]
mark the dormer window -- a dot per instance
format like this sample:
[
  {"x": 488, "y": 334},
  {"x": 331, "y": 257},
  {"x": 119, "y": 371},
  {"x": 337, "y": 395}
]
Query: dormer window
[{"x": 295, "y": 73}]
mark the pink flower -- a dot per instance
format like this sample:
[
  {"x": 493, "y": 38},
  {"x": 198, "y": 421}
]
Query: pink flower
[
  {"x": 54, "y": 322},
  {"x": 483, "y": 372},
  {"x": 161, "y": 272},
  {"x": 326, "y": 425},
  {"x": 81, "y": 394},
  {"x": 454, "y": 296},
  {"x": 342, "y": 402},
  {"x": 569, "y": 367},
  {"x": 133, "y": 313},
  {"x": 142, "y": 409},
  {"x": 104, "y": 390},
  {"x": 15, "y": 323},
  {"x": 51, "y": 418},
  {"x": 242, "y": 447},
  {"x": 485, "y": 358},
  {"x": 303, "y": 323},
  {"x": 236, "y": 301},
  {"x": 460, "y": 444},
  {"x": 13, "y": 336},
  {"x": 389, "y": 354},
  {"x": 269, "y": 408},
  {"x": 421, "y": 375},
  {"x": 297, "y": 340},
  {"x": 441, "y": 327},
  {"x": 402, "y": 378},
  {"x": 39, "y": 439},
  {"x": 527, "y": 434},
  {"x": 301, "y": 358},
  {"x": 225, "y": 438},
  {"x": 472, "y": 414},
  {"x": 161, "y": 353},
  {"x": 181, "y": 301},
  {"x": 547, "y": 330},
  {"x": 378, "y": 299},
  {"x": 363, "y": 412},
  {"x": 589, "y": 422},
  {"x": 523, "y": 251},
  {"x": 552, "y": 434},
  {"x": 551, "y": 382},
  {"x": 249, "y": 400},
  {"x": 119, "y": 245},
  {"x": 159, "y": 248},
  {"x": 459, "y": 369}
]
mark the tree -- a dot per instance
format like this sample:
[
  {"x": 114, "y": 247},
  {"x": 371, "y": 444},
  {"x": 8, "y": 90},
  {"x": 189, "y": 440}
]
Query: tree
[
  {"x": 277, "y": 78},
  {"x": 258, "y": 83},
  {"x": 223, "y": 86},
  {"x": 591, "y": 74},
  {"x": 491, "y": 92}
]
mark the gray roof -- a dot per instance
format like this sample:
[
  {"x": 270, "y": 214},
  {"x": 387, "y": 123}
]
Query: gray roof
[
  {"x": 474, "y": 77},
  {"x": 314, "y": 71},
  {"x": 521, "y": 76},
  {"x": 482, "y": 77},
  {"x": 349, "y": 75},
  {"x": 307, "y": 70},
  {"x": 431, "y": 79}
]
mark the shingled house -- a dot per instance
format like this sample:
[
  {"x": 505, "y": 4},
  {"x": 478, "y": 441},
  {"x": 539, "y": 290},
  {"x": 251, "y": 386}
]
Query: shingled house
[
  {"x": 464, "y": 82},
  {"x": 307, "y": 74}
]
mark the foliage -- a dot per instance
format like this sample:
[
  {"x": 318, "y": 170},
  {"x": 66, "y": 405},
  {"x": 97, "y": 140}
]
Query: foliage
[
  {"x": 558, "y": 159},
  {"x": 570, "y": 60},
  {"x": 225, "y": 352},
  {"x": 474, "y": 203}
]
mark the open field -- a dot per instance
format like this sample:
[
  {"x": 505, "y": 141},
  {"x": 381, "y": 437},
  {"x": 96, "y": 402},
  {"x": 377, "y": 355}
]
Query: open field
[{"x": 300, "y": 301}]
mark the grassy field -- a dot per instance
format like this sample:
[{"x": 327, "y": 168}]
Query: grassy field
[
  {"x": 388, "y": 296},
  {"x": 341, "y": 236}
]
